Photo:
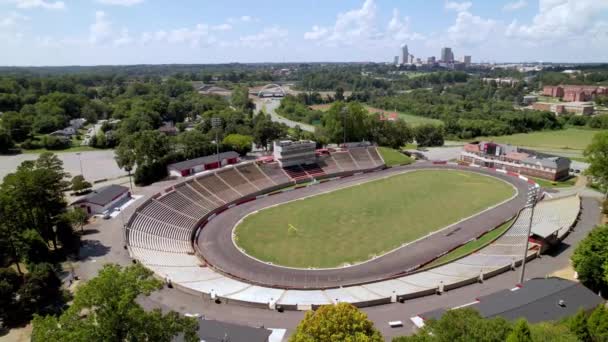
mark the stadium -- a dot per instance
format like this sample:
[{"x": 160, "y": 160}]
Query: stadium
[{"x": 312, "y": 227}]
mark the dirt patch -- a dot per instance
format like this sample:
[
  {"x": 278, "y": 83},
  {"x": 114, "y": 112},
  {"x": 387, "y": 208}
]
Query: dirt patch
[{"x": 18, "y": 335}]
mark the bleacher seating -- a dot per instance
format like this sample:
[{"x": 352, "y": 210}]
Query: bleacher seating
[
  {"x": 329, "y": 166},
  {"x": 375, "y": 156},
  {"x": 195, "y": 197},
  {"x": 255, "y": 176},
  {"x": 362, "y": 158},
  {"x": 296, "y": 172},
  {"x": 237, "y": 182},
  {"x": 162, "y": 213},
  {"x": 344, "y": 160},
  {"x": 313, "y": 170},
  {"x": 275, "y": 172},
  {"x": 182, "y": 204},
  {"x": 210, "y": 197},
  {"x": 219, "y": 188}
]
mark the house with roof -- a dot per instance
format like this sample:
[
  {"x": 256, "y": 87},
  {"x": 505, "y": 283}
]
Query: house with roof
[
  {"x": 193, "y": 166},
  {"x": 105, "y": 198}
]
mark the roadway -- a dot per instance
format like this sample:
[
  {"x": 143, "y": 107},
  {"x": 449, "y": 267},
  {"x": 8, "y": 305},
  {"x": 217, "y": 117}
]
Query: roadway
[{"x": 269, "y": 105}]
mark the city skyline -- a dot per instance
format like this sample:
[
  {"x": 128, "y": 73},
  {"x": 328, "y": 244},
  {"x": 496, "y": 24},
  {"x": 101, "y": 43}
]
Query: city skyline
[{"x": 93, "y": 32}]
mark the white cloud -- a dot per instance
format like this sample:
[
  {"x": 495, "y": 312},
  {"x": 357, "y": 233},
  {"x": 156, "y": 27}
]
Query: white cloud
[
  {"x": 221, "y": 27},
  {"x": 458, "y": 6},
  {"x": 514, "y": 6},
  {"x": 399, "y": 29},
  {"x": 244, "y": 19},
  {"x": 350, "y": 27},
  {"x": 268, "y": 37},
  {"x": 12, "y": 20},
  {"x": 471, "y": 29},
  {"x": 316, "y": 33},
  {"x": 30, "y": 4},
  {"x": 360, "y": 27},
  {"x": 193, "y": 36},
  {"x": 123, "y": 39},
  {"x": 101, "y": 29},
  {"x": 560, "y": 20},
  {"x": 125, "y": 3}
]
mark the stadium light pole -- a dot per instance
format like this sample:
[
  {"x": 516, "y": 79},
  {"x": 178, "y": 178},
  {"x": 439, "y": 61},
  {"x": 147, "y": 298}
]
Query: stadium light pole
[
  {"x": 217, "y": 123},
  {"x": 344, "y": 124},
  {"x": 531, "y": 203}
]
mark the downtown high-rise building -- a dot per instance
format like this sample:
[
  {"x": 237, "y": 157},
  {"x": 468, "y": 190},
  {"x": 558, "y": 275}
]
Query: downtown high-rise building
[
  {"x": 467, "y": 60},
  {"x": 447, "y": 56},
  {"x": 405, "y": 54},
  {"x": 396, "y": 60}
]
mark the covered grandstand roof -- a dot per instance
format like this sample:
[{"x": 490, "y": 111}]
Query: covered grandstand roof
[{"x": 188, "y": 164}]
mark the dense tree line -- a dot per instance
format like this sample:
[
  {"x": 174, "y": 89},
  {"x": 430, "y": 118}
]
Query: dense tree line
[
  {"x": 35, "y": 230},
  {"x": 472, "y": 109}
]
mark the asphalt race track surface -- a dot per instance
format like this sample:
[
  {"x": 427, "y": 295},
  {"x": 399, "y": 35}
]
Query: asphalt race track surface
[{"x": 218, "y": 251}]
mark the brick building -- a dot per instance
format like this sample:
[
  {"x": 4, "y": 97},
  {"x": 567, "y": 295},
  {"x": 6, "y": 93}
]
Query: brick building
[
  {"x": 575, "y": 93},
  {"x": 513, "y": 159}
]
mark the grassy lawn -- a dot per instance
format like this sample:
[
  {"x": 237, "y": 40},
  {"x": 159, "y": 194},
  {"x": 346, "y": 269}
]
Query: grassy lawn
[
  {"x": 471, "y": 246},
  {"x": 566, "y": 139},
  {"x": 558, "y": 184},
  {"x": 393, "y": 157},
  {"x": 356, "y": 223}
]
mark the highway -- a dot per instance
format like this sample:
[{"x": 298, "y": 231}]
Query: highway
[{"x": 270, "y": 105}]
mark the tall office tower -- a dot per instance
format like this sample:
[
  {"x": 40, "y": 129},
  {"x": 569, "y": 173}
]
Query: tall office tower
[
  {"x": 396, "y": 60},
  {"x": 411, "y": 59},
  {"x": 430, "y": 60},
  {"x": 467, "y": 60},
  {"x": 447, "y": 56},
  {"x": 405, "y": 54}
]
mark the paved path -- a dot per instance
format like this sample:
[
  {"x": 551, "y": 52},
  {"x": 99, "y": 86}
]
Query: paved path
[
  {"x": 218, "y": 250},
  {"x": 270, "y": 106}
]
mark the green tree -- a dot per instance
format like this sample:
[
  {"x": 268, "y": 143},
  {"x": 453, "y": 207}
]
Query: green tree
[
  {"x": 193, "y": 144},
  {"x": 346, "y": 116},
  {"x": 265, "y": 130},
  {"x": 239, "y": 143},
  {"x": 578, "y": 325},
  {"x": 105, "y": 309},
  {"x": 520, "y": 333},
  {"x": 461, "y": 325},
  {"x": 6, "y": 142},
  {"x": 591, "y": 257},
  {"x": 9, "y": 284},
  {"x": 41, "y": 290},
  {"x": 340, "y": 322},
  {"x": 77, "y": 218},
  {"x": 551, "y": 332},
  {"x": 429, "y": 135},
  {"x": 597, "y": 324},
  {"x": 79, "y": 184},
  {"x": 597, "y": 156}
]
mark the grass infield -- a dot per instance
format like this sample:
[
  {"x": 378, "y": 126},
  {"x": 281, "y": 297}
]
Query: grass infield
[
  {"x": 355, "y": 224},
  {"x": 565, "y": 139}
]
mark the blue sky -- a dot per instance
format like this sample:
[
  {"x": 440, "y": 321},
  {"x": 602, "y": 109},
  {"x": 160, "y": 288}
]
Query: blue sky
[{"x": 89, "y": 32}]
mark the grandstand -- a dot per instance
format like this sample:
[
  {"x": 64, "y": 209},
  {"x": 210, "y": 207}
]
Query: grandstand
[
  {"x": 165, "y": 249},
  {"x": 160, "y": 233}
]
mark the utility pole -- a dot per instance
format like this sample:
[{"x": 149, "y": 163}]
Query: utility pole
[
  {"x": 80, "y": 162},
  {"x": 217, "y": 123},
  {"x": 531, "y": 203},
  {"x": 344, "y": 124}
]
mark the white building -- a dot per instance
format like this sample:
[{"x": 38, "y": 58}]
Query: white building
[
  {"x": 102, "y": 199},
  {"x": 289, "y": 153}
]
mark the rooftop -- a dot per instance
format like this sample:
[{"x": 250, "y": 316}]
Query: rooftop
[
  {"x": 537, "y": 300},
  {"x": 188, "y": 164},
  {"x": 103, "y": 195}
]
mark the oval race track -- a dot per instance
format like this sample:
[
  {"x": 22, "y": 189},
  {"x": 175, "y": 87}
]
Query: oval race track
[{"x": 215, "y": 246}]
